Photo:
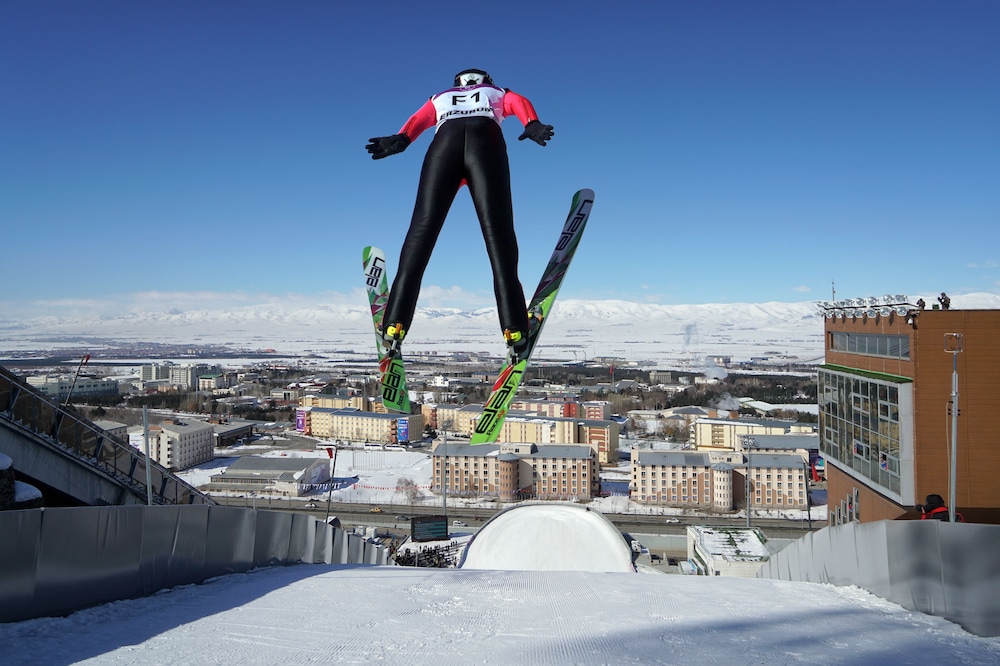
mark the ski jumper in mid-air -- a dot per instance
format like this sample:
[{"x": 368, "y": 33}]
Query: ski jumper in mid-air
[{"x": 468, "y": 148}]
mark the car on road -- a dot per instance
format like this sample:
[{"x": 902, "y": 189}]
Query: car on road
[
  {"x": 401, "y": 517},
  {"x": 375, "y": 509},
  {"x": 672, "y": 521},
  {"x": 459, "y": 523},
  {"x": 310, "y": 505}
]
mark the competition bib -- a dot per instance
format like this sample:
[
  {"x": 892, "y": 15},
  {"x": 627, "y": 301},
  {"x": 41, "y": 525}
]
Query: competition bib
[{"x": 485, "y": 101}]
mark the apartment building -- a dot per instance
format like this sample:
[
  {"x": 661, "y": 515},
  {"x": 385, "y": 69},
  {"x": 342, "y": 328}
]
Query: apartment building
[
  {"x": 602, "y": 436},
  {"x": 339, "y": 401},
  {"x": 60, "y": 387},
  {"x": 595, "y": 410},
  {"x": 564, "y": 471},
  {"x": 287, "y": 394},
  {"x": 723, "y": 434},
  {"x": 716, "y": 481},
  {"x": 661, "y": 377},
  {"x": 186, "y": 376},
  {"x": 213, "y": 381},
  {"x": 800, "y": 444},
  {"x": 359, "y": 426},
  {"x": 523, "y": 427},
  {"x": 508, "y": 471},
  {"x": 519, "y": 426},
  {"x": 678, "y": 479},
  {"x": 886, "y": 389},
  {"x": 777, "y": 481},
  {"x": 155, "y": 372},
  {"x": 177, "y": 444},
  {"x": 451, "y": 417}
]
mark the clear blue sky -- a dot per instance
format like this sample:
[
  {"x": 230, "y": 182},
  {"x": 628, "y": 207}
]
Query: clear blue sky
[{"x": 171, "y": 154}]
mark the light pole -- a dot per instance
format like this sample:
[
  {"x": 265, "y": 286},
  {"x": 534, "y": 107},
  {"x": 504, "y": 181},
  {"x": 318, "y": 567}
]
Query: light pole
[
  {"x": 333, "y": 468},
  {"x": 805, "y": 478},
  {"x": 954, "y": 344},
  {"x": 145, "y": 442},
  {"x": 444, "y": 471},
  {"x": 748, "y": 443}
]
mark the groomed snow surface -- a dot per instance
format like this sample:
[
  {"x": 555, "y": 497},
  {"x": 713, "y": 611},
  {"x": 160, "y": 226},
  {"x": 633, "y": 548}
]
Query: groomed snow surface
[
  {"x": 493, "y": 611},
  {"x": 319, "y": 614}
]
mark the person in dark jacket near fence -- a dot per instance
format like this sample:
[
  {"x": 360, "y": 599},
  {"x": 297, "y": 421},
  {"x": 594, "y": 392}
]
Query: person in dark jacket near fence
[{"x": 934, "y": 508}]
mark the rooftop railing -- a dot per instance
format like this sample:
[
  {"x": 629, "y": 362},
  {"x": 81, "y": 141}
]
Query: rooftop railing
[{"x": 51, "y": 425}]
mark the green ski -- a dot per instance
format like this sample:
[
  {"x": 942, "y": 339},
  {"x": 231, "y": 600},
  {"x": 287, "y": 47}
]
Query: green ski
[
  {"x": 394, "y": 394},
  {"x": 505, "y": 387}
]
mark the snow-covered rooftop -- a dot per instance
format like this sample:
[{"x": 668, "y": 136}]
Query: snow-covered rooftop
[{"x": 731, "y": 543}]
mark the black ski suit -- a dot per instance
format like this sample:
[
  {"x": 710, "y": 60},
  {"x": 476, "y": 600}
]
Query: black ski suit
[{"x": 468, "y": 148}]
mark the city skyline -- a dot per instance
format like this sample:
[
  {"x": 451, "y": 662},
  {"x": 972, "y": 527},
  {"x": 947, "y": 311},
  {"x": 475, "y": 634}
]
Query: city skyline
[{"x": 174, "y": 157}]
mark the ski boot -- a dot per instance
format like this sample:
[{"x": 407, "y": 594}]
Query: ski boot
[
  {"x": 517, "y": 345},
  {"x": 392, "y": 339},
  {"x": 535, "y": 318}
]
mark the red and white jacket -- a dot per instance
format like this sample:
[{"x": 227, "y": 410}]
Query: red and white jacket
[{"x": 470, "y": 101}]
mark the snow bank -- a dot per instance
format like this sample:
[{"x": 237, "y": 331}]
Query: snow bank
[{"x": 556, "y": 537}]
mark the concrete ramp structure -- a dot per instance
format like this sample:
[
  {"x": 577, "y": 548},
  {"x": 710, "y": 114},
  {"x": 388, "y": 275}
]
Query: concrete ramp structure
[
  {"x": 56, "y": 447},
  {"x": 548, "y": 537}
]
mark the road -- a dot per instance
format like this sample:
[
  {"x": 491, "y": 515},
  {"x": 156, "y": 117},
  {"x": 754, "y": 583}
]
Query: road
[
  {"x": 351, "y": 514},
  {"x": 360, "y": 514}
]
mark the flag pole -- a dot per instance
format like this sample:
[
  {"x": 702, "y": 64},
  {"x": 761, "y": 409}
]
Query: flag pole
[{"x": 69, "y": 395}]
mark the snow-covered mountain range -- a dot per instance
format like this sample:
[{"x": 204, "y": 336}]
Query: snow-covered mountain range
[{"x": 661, "y": 335}]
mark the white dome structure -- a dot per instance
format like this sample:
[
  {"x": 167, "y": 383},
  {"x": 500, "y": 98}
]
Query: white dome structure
[{"x": 548, "y": 537}]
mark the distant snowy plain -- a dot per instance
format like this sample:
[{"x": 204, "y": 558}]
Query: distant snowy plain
[{"x": 667, "y": 336}]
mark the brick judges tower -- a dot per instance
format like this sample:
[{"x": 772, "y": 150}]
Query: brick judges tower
[{"x": 885, "y": 408}]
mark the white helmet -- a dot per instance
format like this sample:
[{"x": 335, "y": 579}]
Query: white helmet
[{"x": 472, "y": 77}]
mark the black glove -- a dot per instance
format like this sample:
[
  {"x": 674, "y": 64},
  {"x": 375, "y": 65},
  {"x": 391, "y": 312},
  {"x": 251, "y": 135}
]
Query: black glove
[
  {"x": 537, "y": 132},
  {"x": 383, "y": 146}
]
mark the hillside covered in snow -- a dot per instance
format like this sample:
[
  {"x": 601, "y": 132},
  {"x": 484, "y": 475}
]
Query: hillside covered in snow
[{"x": 665, "y": 335}]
